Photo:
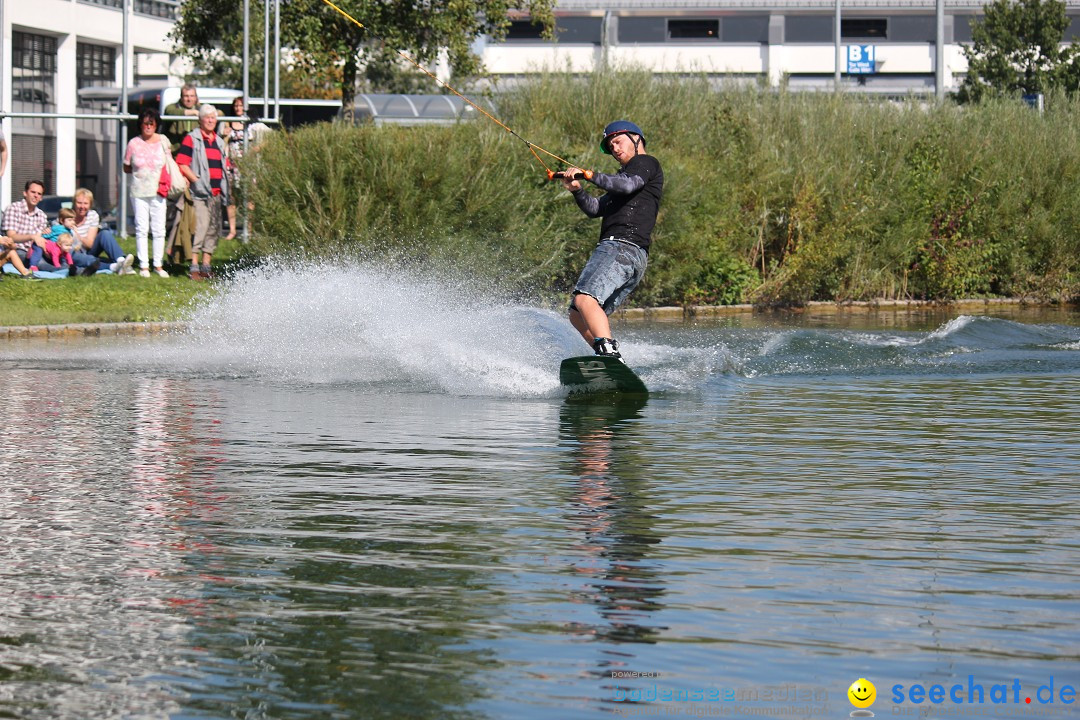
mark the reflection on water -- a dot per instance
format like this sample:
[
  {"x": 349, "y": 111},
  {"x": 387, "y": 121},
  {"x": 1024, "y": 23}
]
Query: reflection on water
[
  {"x": 610, "y": 510},
  {"x": 797, "y": 505}
]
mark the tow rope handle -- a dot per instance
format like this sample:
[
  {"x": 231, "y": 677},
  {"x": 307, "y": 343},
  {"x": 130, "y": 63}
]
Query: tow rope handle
[{"x": 561, "y": 175}]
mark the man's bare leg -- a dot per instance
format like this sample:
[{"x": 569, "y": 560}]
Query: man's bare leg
[
  {"x": 230, "y": 210},
  {"x": 579, "y": 324},
  {"x": 589, "y": 319}
]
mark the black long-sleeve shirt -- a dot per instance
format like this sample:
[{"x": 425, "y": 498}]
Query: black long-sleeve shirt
[{"x": 630, "y": 203}]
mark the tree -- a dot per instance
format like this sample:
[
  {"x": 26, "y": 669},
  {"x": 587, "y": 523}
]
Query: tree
[
  {"x": 317, "y": 37},
  {"x": 1016, "y": 48}
]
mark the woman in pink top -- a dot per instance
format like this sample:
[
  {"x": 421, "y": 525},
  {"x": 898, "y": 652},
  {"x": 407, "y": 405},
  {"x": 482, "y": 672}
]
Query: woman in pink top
[{"x": 143, "y": 160}]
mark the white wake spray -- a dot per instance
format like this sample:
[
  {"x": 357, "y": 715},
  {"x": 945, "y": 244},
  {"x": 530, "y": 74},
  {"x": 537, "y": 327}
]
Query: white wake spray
[
  {"x": 384, "y": 327},
  {"x": 363, "y": 323}
]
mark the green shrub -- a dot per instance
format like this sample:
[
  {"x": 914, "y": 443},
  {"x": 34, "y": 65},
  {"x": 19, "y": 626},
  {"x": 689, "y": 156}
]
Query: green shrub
[{"x": 773, "y": 197}]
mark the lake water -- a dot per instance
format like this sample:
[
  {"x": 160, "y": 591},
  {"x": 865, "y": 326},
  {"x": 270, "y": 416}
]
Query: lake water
[{"x": 363, "y": 495}]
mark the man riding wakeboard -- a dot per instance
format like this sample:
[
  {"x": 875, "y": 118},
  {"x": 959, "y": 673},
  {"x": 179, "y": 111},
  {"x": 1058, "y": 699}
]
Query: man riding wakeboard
[{"x": 629, "y": 206}]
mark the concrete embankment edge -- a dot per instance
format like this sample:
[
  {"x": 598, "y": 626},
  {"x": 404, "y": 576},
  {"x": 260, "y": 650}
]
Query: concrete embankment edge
[
  {"x": 708, "y": 311},
  {"x": 98, "y": 330},
  {"x": 80, "y": 331}
]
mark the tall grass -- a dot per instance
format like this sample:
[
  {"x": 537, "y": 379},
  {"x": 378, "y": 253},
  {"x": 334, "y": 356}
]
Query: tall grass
[{"x": 770, "y": 197}]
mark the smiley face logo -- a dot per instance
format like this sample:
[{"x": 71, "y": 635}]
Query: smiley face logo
[{"x": 862, "y": 693}]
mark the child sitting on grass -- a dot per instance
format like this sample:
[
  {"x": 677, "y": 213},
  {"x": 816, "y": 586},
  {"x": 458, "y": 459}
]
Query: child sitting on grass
[{"x": 58, "y": 242}]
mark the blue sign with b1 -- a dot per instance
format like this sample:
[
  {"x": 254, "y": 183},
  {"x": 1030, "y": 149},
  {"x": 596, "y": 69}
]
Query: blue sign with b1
[{"x": 860, "y": 60}]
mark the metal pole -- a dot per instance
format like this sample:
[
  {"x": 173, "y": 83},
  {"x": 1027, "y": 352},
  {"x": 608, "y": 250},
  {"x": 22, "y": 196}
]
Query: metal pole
[
  {"x": 277, "y": 60},
  {"x": 247, "y": 97},
  {"x": 839, "y": 49},
  {"x": 266, "y": 58},
  {"x": 246, "y": 233},
  {"x": 71, "y": 116},
  {"x": 4, "y": 197},
  {"x": 122, "y": 220},
  {"x": 247, "y": 37},
  {"x": 605, "y": 37},
  {"x": 939, "y": 52}
]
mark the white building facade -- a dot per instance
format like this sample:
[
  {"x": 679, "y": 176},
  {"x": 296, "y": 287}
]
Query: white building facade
[
  {"x": 48, "y": 51},
  {"x": 778, "y": 42}
]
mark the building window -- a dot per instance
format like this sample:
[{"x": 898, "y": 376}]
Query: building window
[
  {"x": 912, "y": 29},
  {"x": 745, "y": 29},
  {"x": 33, "y": 72},
  {"x": 524, "y": 30},
  {"x": 568, "y": 29},
  {"x": 157, "y": 8},
  {"x": 96, "y": 65},
  {"x": 808, "y": 28},
  {"x": 962, "y": 27},
  {"x": 581, "y": 30},
  {"x": 693, "y": 29},
  {"x": 33, "y": 52},
  {"x": 1072, "y": 32},
  {"x": 636, "y": 29},
  {"x": 864, "y": 28}
]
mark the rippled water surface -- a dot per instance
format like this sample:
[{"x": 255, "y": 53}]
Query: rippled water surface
[{"x": 300, "y": 508}]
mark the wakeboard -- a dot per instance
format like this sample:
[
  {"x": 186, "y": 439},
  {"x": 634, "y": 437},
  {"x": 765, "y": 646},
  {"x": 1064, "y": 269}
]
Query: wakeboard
[{"x": 599, "y": 374}]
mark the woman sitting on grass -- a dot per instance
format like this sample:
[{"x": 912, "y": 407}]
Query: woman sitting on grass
[{"x": 92, "y": 240}]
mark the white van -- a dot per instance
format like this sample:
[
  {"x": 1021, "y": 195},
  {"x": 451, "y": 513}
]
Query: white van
[{"x": 294, "y": 112}]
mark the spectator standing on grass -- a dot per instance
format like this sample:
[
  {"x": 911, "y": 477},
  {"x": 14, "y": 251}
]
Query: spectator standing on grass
[
  {"x": 91, "y": 239},
  {"x": 234, "y": 133},
  {"x": 188, "y": 105},
  {"x": 202, "y": 160},
  {"x": 179, "y": 231},
  {"x": 24, "y": 226},
  {"x": 181, "y": 228},
  {"x": 143, "y": 160}
]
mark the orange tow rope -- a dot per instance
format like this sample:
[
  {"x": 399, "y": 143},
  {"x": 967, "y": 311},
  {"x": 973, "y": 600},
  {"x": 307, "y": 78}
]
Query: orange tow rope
[{"x": 533, "y": 147}]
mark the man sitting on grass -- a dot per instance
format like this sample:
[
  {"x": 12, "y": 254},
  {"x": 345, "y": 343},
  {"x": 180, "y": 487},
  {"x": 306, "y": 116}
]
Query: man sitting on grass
[{"x": 24, "y": 226}]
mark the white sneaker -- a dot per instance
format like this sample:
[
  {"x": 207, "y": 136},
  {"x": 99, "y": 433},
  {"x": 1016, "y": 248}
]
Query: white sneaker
[
  {"x": 161, "y": 272},
  {"x": 128, "y": 262},
  {"x": 117, "y": 267},
  {"x": 145, "y": 272}
]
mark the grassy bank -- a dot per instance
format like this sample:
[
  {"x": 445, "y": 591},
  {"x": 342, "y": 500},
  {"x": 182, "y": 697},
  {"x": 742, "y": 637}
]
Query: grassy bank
[
  {"x": 107, "y": 298},
  {"x": 773, "y": 198},
  {"x": 95, "y": 300}
]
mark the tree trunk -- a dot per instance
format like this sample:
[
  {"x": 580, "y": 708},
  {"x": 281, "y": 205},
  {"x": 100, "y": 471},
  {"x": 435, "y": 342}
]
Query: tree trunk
[{"x": 348, "y": 89}]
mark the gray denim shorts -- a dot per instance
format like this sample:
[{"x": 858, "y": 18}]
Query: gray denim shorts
[{"x": 613, "y": 271}]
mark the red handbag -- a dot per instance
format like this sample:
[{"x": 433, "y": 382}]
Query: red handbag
[{"x": 164, "y": 182}]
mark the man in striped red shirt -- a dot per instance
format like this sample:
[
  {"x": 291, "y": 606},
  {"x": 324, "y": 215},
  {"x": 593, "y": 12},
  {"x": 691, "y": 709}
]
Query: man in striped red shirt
[{"x": 201, "y": 158}]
